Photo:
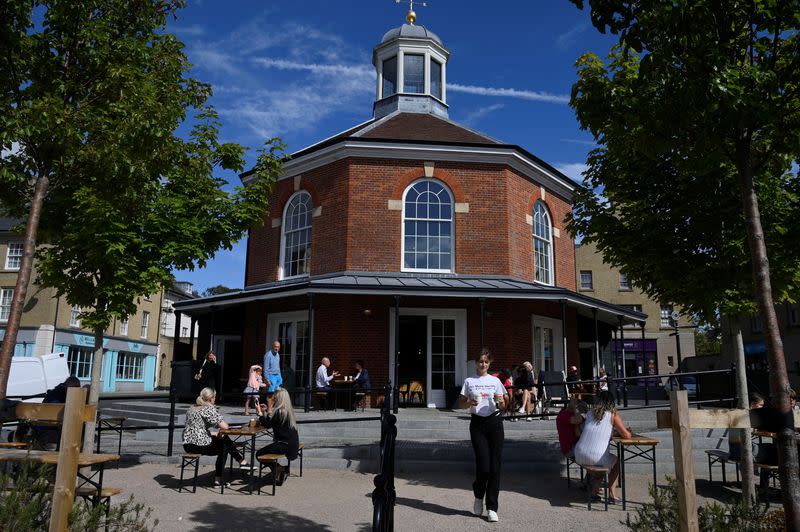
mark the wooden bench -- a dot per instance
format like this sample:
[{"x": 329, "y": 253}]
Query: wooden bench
[
  {"x": 188, "y": 460},
  {"x": 570, "y": 462},
  {"x": 15, "y": 445},
  {"x": 718, "y": 456},
  {"x": 601, "y": 472},
  {"x": 771, "y": 472},
  {"x": 89, "y": 494},
  {"x": 265, "y": 460}
]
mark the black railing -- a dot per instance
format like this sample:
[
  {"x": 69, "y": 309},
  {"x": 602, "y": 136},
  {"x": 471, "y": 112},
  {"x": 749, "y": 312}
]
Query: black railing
[{"x": 383, "y": 496}]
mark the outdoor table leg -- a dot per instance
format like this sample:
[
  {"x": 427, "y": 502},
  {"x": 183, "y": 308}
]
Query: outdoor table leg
[
  {"x": 655, "y": 479},
  {"x": 621, "y": 453},
  {"x": 252, "y": 460}
]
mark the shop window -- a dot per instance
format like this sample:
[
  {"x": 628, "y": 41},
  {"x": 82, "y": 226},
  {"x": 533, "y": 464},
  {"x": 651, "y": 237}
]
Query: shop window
[
  {"x": 130, "y": 366},
  {"x": 79, "y": 360}
]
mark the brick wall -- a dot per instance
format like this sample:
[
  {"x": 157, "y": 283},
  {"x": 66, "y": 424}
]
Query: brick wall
[{"x": 357, "y": 231}]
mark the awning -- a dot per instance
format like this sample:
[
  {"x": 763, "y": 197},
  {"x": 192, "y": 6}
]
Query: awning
[{"x": 413, "y": 285}]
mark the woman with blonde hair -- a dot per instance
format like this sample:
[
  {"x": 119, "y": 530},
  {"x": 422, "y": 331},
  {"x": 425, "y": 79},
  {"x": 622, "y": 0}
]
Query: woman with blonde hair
[
  {"x": 200, "y": 438},
  {"x": 285, "y": 440},
  {"x": 593, "y": 445}
]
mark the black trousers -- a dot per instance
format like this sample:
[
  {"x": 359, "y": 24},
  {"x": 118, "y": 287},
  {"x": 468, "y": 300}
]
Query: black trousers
[
  {"x": 487, "y": 438},
  {"x": 219, "y": 447}
]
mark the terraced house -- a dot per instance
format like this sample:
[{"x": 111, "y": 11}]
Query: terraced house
[
  {"x": 50, "y": 324},
  {"x": 410, "y": 241}
]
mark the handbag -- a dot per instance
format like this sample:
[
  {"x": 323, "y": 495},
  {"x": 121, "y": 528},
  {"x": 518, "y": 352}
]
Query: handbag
[{"x": 199, "y": 374}]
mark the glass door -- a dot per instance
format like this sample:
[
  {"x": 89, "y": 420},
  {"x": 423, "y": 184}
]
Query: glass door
[
  {"x": 547, "y": 342},
  {"x": 291, "y": 330},
  {"x": 443, "y": 358}
]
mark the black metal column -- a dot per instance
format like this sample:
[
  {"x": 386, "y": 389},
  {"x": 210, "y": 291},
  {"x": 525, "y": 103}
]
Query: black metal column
[
  {"x": 177, "y": 336},
  {"x": 624, "y": 371},
  {"x": 482, "y": 301},
  {"x": 310, "y": 368},
  {"x": 191, "y": 338},
  {"x": 564, "y": 332},
  {"x": 396, "y": 389},
  {"x": 596, "y": 343},
  {"x": 646, "y": 368}
]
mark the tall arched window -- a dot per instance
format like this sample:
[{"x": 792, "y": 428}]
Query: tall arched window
[
  {"x": 428, "y": 227},
  {"x": 542, "y": 244},
  {"x": 296, "y": 236}
]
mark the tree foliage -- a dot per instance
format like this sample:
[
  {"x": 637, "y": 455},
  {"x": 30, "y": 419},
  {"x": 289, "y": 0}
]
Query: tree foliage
[{"x": 217, "y": 290}]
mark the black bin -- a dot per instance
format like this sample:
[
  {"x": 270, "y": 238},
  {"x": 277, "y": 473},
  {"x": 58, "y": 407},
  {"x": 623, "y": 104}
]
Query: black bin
[{"x": 183, "y": 379}]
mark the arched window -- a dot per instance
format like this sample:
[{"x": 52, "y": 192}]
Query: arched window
[
  {"x": 428, "y": 227},
  {"x": 542, "y": 244},
  {"x": 296, "y": 236}
]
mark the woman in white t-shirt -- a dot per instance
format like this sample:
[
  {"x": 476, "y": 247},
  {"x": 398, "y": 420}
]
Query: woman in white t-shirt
[{"x": 486, "y": 397}]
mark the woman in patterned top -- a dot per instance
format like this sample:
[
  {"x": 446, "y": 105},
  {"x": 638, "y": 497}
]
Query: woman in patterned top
[{"x": 200, "y": 439}]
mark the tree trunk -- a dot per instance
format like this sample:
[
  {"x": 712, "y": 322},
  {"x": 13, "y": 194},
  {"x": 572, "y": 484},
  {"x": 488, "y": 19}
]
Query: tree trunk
[
  {"x": 779, "y": 380},
  {"x": 745, "y": 435},
  {"x": 23, "y": 279},
  {"x": 94, "y": 389}
]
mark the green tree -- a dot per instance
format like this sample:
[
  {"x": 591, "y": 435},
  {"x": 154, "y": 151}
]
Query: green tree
[
  {"x": 707, "y": 341},
  {"x": 93, "y": 94},
  {"x": 697, "y": 118},
  {"x": 217, "y": 290}
]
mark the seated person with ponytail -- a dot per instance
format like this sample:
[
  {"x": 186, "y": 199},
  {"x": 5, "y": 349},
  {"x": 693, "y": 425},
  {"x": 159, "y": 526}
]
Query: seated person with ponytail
[{"x": 281, "y": 419}]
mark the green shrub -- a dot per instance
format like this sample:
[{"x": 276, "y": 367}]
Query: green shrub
[
  {"x": 662, "y": 514},
  {"x": 26, "y": 500}
]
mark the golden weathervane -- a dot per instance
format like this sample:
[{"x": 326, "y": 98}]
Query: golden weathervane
[{"x": 411, "y": 16}]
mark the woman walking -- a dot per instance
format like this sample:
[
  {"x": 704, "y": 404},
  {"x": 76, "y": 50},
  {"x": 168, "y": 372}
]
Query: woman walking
[{"x": 486, "y": 398}]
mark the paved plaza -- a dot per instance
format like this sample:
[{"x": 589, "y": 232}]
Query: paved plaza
[{"x": 340, "y": 500}]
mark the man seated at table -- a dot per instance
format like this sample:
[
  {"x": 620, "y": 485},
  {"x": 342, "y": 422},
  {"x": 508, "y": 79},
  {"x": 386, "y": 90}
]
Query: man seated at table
[
  {"x": 44, "y": 437},
  {"x": 360, "y": 380},
  {"x": 763, "y": 453},
  {"x": 323, "y": 380},
  {"x": 572, "y": 376}
]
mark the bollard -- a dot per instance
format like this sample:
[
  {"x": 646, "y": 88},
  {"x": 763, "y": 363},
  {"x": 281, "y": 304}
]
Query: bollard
[{"x": 171, "y": 425}]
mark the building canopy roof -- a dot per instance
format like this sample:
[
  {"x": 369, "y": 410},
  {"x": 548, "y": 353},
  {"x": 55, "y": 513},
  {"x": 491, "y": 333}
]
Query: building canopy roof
[{"x": 414, "y": 285}]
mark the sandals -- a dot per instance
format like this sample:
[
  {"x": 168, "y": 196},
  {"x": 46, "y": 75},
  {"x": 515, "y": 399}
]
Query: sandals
[{"x": 219, "y": 484}]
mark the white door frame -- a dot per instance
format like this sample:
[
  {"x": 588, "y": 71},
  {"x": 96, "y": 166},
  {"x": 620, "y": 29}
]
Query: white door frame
[
  {"x": 558, "y": 342},
  {"x": 273, "y": 319},
  {"x": 460, "y": 317}
]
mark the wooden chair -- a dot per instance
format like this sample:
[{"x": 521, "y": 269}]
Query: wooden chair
[
  {"x": 600, "y": 472},
  {"x": 189, "y": 460},
  {"x": 90, "y": 495}
]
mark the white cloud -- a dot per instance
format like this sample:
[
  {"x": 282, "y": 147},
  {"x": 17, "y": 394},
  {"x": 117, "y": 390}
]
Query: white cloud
[
  {"x": 195, "y": 30},
  {"x": 568, "y": 38},
  {"x": 11, "y": 151},
  {"x": 215, "y": 61},
  {"x": 476, "y": 115},
  {"x": 580, "y": 141},
  {"x": 572, "y": 170},
  {"x": 536, "y": 96},
  {"x": 368, "y": 74}
]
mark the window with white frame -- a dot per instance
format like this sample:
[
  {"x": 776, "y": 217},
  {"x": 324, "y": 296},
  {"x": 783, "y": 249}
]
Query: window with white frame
[
  {"x": 79, "y": 360},
  {"x": 184, "y": 332},
  {"x": 296, "y": 247},
  {"x": 414, "y": 73},
  {"x": 6, "y": 295},
  {"x": 14, "y": 256},
  {"x": 130, "y": 366},
  {"x": 428, "y": 227},
  {"x": 123, "y": 328},
  {"x": 389, "y": 76},
  {"x": 587, "y": 283},
  {"x": 74, "y": 316},
  {"x": 624, "y": 284},
  {"x": 145, "y": 323},
  {"x": 666, "y": 316},
  {"x": 755, "y": 323},
  {"x": 436, "y": 79},
  {"x": 542, "y": 244}
]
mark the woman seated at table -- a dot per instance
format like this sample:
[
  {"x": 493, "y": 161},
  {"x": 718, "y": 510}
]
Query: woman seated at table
[
  {"x": 200, "y": 438},
  {"x": 523, "y": 389},
  {"x": 593, "y": 445},
  {"x": 280, "y": 418}
]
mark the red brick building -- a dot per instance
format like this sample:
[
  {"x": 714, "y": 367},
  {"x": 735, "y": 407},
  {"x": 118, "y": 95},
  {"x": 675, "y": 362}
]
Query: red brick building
[{"x": 410, "y": 241}]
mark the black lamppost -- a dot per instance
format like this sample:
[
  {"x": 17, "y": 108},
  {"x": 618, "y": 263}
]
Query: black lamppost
[{"x": 674, "y": 317}]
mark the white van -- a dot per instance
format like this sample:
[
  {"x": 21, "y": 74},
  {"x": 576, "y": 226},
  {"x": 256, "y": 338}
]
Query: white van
[{"x": 36, "y": 375}]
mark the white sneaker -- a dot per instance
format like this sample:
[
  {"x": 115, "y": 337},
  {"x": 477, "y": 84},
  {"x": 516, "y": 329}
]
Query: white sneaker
[
  {"x": 477, "y": 507},
  {"x": 491, "y": 516},
  {"x": 521, "y": 410}
]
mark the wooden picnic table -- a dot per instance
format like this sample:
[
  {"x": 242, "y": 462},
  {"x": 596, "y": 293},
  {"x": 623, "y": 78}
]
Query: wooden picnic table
[
  {"x": 241, "y": 434},
  {"x": 95, "y": 480},
  {"x": 637, "y": 446}
]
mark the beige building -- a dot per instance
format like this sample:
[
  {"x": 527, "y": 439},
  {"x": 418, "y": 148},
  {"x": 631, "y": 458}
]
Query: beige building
[
  {"x": 755, "y": 349},
  {"x": 50, "y": 324},
  {"x": 656, "y": 351}
]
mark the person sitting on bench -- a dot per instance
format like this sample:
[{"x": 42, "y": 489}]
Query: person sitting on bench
[{"x": 280, "y": 418}]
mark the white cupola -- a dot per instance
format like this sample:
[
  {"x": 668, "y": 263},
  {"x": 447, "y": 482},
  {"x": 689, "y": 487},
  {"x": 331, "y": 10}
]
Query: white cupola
[{"x": 411, "y": 62}]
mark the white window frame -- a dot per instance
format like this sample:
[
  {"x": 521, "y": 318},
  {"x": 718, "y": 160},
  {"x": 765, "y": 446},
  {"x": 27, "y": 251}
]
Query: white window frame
[
  {"x": 6, "y": 296},
  {"x": 543, "y": 220},
  {"x": 130, "y": 366},
  {"x": 590, "y": 277},
  {"x": 624, "y": 283},
  {"x": 74, "y": 320},
  {"x": 18, "y": 246},
  {"x": 281, "y": 267},
  {"x": 123, "y": 327},
  {"x": 145, "y": 323},
  {"x": 452, "y": 222},
  {"x": 666, "y": 316},
  {"x": 81, "y": 365},
  {"x": 557, "y": 356}
]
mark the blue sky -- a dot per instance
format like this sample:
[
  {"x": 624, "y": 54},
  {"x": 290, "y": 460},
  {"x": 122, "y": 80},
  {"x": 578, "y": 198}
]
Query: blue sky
[{"x": 301, "y": 70}]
